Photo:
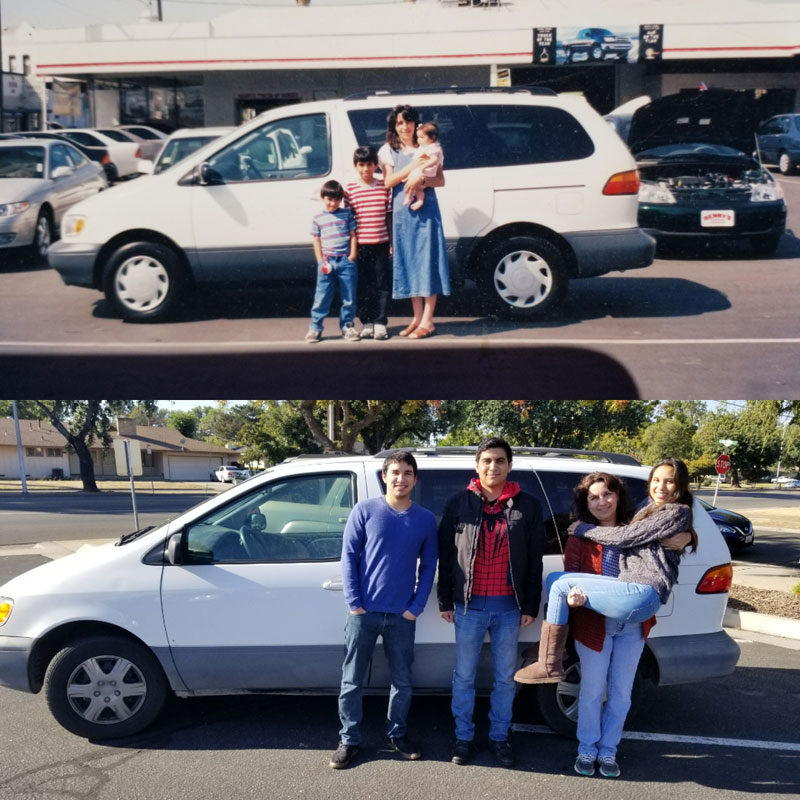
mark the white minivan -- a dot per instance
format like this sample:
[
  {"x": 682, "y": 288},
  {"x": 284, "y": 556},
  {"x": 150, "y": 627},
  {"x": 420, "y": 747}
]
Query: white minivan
[
  {"x": 243, "y": 593},
  {"x": 539, "y": 190}
]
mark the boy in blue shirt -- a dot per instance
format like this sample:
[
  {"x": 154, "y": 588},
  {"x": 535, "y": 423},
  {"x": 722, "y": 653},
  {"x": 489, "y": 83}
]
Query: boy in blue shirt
[
  {"x": 334, "y": 234},
  {"x": 385, "y": 591}
]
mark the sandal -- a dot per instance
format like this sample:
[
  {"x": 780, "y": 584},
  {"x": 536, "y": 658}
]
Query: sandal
[
  {"x": 407, "y": 331},
  {"x": 421, "y": 333}
]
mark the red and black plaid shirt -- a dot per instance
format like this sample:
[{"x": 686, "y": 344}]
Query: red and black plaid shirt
[{"x": 492, "y": 574}]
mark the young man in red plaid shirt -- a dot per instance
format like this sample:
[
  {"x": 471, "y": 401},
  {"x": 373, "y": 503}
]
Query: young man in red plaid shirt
[{"x": 491, "y": 540}]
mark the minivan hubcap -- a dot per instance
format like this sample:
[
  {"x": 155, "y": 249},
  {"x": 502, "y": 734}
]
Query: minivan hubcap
[
  {"x": 42, "y": 236},
  {"x": 141, "y": 283},
  {"x": 523, "y": 279},
  {"x": 106, "y": 689}
]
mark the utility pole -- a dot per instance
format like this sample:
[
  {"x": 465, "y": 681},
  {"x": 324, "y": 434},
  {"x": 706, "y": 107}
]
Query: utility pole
[{"x": 160, "y": 15}]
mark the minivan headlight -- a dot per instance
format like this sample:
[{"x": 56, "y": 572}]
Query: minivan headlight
[
  {"x": 655, "y": 193},
  {"x": 12, "y": 209},
  {"x": 73, "y": 224},
  {"x": 6, "y": 604}
]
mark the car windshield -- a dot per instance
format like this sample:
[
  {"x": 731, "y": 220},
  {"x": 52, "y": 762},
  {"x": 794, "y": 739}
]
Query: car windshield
[
  {"x": 22, "y": 162},
  {"x": 177, "y": 149},
  {"x": 689, "y": 149},
  {"x": 144, "y": 133}
]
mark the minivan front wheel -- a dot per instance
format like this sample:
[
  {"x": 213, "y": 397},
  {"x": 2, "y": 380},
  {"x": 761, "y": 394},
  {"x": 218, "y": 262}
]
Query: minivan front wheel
[
  {"x": 142, "y": 281},
  {"x": 103, "y": 687},
  {"x": 524, "y": 277},
  {"x": 785, "y": 163}
]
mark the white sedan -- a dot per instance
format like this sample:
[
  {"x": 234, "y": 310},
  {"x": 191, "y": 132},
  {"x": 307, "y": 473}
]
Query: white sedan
[
  {"x": 230, "y": 473},
  {"x": 124, "y": 155}
]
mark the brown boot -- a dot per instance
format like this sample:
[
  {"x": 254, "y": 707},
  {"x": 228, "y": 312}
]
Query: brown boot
[{"x": 548, "y": 669}]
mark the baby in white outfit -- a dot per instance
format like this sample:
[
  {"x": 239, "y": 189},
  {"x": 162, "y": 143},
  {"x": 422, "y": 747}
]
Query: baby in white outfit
[{"x": 431, "y": 150}]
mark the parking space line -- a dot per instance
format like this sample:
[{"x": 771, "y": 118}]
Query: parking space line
[{"x": 791, "y": 747}]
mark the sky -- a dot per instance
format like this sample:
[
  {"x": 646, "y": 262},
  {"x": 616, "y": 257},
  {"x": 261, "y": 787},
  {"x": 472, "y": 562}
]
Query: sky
[{"x": 77, "y": 13}]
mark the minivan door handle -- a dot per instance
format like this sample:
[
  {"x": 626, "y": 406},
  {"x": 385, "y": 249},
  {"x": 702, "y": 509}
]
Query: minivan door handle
[{"x": 334, "y": 585}]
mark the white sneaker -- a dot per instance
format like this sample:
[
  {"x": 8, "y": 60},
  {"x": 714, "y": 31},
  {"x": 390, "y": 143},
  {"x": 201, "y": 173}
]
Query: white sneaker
[
  {"x": 350, "y": 334},
  {"x": 367, "y": 331},
  {"x": 380, "y": 331},
  {"x": 313, "y": 335}
]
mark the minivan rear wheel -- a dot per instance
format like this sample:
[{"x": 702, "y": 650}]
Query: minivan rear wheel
[
  {"x": 785, "y": 164},
  {"x": 142, "y": 281},
  {"x": 103, "y": 687},
  {"x": 524, "y": 277}
]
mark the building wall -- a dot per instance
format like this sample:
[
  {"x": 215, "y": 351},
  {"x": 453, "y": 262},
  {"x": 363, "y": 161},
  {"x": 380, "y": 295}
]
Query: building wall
[
  {"x": 35, "y": 466},
  {"x": 672, "y": 83}
]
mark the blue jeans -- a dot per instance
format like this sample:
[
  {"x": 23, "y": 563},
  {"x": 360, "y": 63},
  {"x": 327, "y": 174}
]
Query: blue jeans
[
  {"x": 344, "y": 272},
  {"x": 361, "y": 632},
  {"x": 471, "y": 629},
  {"x": 600, "y": 725},
  {"x": 611, "y": 597}
]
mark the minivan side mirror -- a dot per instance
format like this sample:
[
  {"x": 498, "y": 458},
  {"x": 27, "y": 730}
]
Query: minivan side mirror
[
  {"x": 61, "y": 172},
  {"x": 175, "y": 549}
]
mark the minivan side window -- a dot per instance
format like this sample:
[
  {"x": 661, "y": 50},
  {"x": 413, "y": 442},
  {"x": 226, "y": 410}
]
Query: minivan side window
[
  {"x": 520, "y": 135},
  {"x": 291, "y": 519},
  {"x": 285, "y": 149},
  {"x": 559, "y": 486}
]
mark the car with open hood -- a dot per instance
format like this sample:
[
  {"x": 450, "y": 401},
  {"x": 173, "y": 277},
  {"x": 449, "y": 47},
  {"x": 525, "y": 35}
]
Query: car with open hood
[{"x": 698, "y": 177}]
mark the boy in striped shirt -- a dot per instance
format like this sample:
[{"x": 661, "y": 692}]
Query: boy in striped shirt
[
  {"x": 333, "y": 232},
  {"x": 369, "y": 200}
]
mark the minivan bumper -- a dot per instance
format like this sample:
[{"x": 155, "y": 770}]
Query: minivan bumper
[
  {"x": 696, "y": 657},
  {"x": 15, "y": 654},
  {"x": 74, "y": 261},
  {"x": 598, "y": 252}
]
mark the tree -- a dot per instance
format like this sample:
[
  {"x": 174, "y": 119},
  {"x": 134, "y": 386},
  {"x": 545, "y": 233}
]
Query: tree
[
  {"x": 184, "y": 421},
  {"x": 147, "y": 412},
  {"x": 667, "y": 437},
  {"x": 26, "y": 409},
  {"x": 82, "y": 422}
]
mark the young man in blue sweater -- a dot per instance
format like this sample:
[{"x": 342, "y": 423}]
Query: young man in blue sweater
[{"x": 389, "y": 556}]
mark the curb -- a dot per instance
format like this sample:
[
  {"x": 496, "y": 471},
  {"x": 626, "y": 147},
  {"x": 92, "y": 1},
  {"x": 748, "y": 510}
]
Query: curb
[{"x": 761, "y": 623}]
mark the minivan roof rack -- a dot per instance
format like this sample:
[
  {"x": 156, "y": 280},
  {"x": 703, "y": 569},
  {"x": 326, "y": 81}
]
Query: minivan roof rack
[
  {"x": 541, "y": 90},
  {"x": 551, "y": 452}
]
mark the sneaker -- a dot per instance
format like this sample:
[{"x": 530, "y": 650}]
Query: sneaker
[
  {"x": 367, "y": 331},
  {"x": 462, "y": 752},
  {"x": 407, "y": 749},
  {"x": 584, "y": 765},
  {"x": 344, "y": 754},
  {"x": 380, "y": 331},
  {"x": 313, "y": 335},
  {"x": 503, "y": 753},
  {"x": 609, "y": 767},
  {"x": 350, "y": 334}
]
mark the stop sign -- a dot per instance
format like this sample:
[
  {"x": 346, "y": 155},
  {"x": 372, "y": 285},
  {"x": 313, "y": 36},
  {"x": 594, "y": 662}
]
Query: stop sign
[{"x": 723, "y": 464}]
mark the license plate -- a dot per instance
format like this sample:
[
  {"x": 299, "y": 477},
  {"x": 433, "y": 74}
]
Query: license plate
[{"x": 718, "y": 218}]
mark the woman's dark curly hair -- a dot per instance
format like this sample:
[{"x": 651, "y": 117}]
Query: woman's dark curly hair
[
  {"x": 580, "y": 497},
  {"x": 409, "y": 114}
]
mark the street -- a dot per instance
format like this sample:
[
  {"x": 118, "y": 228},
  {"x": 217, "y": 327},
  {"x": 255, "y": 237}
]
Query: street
[{"x": 717, "y": 324}]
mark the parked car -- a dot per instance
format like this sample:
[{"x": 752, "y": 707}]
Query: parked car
[
  {"x": 779, "y": 142},
  {"x": 230, "y": 473},
  {"x": 521, "y": 220},
  {"x": 124, "y": 155},
  {"x": 243, "y": 593},
  {"x": 99, "y": 155},
  {"x": 699, "y": 180},
  {"x": 181, "y": 144},
  {"x": 597, "y": 44},
  {"x": 150, "y": 140},
  {"x": 147, "y": 148},
  {"x": 39, "y": 180},
  {"x": 736, "y": 529},
  {"x": 792, "y": 483}
]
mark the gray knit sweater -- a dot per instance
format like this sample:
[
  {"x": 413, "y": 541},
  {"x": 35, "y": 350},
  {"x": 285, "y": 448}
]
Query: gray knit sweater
[{"x": 642, "y": 558}]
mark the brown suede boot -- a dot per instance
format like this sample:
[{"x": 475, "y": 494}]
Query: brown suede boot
[{"x": 548, "y": 669}]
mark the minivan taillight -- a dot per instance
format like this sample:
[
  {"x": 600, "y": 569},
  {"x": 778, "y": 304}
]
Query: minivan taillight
[
  {"x": 105, "y": 159},
  {"x": 716, "y": 580},
  {"x": 623, "y": 183},
  {"x": 139, "y": 154}
]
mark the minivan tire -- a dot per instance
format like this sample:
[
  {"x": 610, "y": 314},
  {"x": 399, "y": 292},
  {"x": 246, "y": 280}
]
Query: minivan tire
[
  {"x": 523, "y": 277},
  {"x": 785, "y": 164},
  {"x": 130, "y": 674},
  {"x": 142, "y": 280}
]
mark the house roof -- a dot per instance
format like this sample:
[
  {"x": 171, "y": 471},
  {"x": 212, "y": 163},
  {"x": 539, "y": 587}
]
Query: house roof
[{"x": 37, "y": 433}]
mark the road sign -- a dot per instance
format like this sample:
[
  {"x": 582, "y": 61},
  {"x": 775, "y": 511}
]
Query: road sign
[{"x": 723, "y": 464}]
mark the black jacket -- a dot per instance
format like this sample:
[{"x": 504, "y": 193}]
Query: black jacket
[{"x": 458, "y": 546}]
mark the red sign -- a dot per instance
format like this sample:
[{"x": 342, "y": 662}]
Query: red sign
[{"x": 723, "y": 464}]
